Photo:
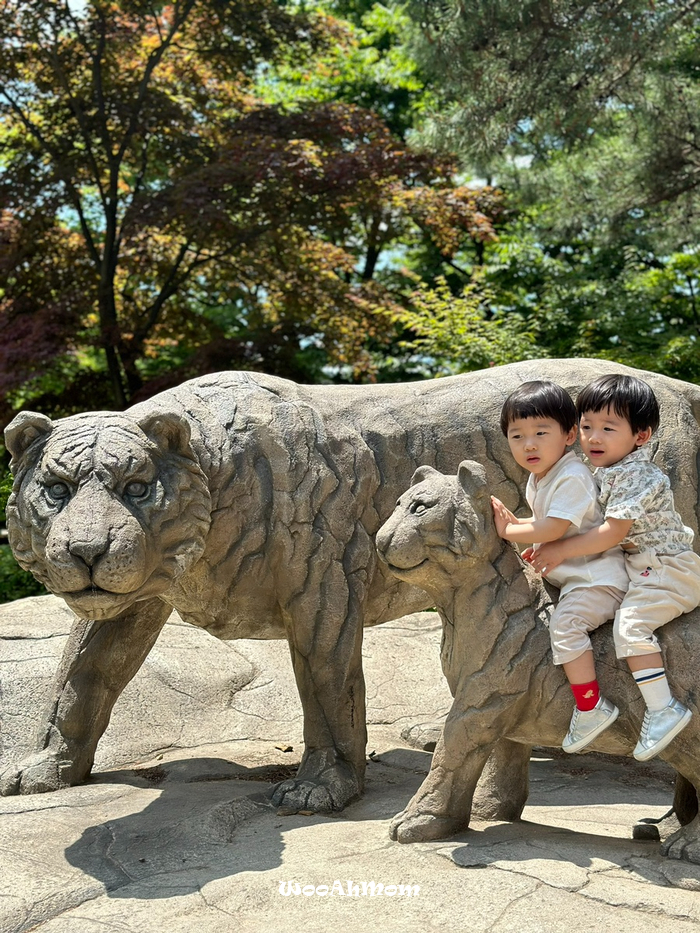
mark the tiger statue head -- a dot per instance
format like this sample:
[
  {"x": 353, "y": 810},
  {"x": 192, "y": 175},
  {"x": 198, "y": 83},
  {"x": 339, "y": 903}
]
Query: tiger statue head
[
  {"x": 441, "y": 528},
  {"x": 105, "y": 510}
]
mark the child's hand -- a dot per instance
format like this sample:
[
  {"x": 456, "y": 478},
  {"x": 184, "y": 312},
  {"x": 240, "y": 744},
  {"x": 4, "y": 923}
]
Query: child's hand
[
  {"x": 502, "y": 516},
  {"x": 546, "y": 558},
  {"x": 528, "y": 554}
]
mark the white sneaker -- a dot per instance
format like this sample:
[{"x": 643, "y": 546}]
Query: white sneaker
[
  {"x": 587, "y": 725},
  {"x": 660, "y": 727}
]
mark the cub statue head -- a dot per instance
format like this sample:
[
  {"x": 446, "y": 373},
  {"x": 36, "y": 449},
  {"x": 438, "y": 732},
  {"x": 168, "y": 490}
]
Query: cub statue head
[
  {"x": 441, "y": 528},
  {"x": 105, "y": 510}
]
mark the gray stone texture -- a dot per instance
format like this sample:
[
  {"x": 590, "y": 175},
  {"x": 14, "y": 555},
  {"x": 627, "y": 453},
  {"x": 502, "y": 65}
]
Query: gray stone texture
[
  {"x": 186, "y": 839},
  {"x": 194, "y": 690},
  {"x": 250, "y": 505},
  {"x": 508, "y": 695}
]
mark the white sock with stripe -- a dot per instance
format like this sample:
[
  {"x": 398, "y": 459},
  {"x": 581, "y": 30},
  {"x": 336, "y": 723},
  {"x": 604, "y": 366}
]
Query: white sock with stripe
[{"x": 654, "y": 687}]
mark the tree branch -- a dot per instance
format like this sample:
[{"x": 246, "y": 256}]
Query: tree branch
[
  {"x": 152, "y": 63},
  {"x": 79, "y": 115},
  {"x": 73, "y": 194},
  {"x": 176, "y": 278}
]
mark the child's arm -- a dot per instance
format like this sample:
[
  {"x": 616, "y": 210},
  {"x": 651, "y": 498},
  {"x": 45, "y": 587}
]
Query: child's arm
[
  {"x": 526, "y": 530},
  {"x": 598, "y": 539}
]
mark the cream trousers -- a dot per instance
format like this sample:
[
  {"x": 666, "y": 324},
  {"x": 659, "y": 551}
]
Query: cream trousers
[
  {"x": 577, "y": 613},
  {"x": 662, "y": 587}
]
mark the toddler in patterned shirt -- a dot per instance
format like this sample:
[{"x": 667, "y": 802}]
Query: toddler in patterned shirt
[{"x": 618, "y": 415}]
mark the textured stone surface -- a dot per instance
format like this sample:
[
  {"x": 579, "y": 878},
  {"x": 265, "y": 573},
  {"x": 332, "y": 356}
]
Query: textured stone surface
[
  {"x": 194, "y": 690},
  {"x": 187, "y": 841},
  {"x": 496, "y": 656},
  {"x": 250, "y": 504}
]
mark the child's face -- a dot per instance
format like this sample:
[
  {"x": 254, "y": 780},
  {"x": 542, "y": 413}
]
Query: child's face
[
  {"x": 606, "y": 437},
  {"x": 537, "y": 443}
]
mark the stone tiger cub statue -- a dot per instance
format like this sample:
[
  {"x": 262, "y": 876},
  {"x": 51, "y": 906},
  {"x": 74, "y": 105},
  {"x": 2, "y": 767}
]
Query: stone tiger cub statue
[{"x": 508, "y": 695}]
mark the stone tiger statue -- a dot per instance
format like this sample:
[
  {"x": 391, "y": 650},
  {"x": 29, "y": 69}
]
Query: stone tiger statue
[
  {"x": 496, "y": 656},
  {"x": 250, "y": 505}
]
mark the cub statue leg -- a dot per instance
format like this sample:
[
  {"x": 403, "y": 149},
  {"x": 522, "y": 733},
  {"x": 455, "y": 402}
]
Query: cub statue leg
[
  {"x": 442, "y": 805},
  {"x": 504, "y": 785},
  {"x": 99, "y": 660},
  {"x": 685, "y": 800},
  {"x": 685, "y": 843}
]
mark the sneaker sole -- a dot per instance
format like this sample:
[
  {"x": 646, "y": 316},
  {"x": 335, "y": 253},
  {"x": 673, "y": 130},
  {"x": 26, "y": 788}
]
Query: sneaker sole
[
  {"x": 592, "y": 736},
  {"x": 659, "y": 746}
]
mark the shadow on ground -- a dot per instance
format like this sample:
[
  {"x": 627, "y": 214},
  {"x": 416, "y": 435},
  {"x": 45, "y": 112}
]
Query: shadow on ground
[{"x": 212, "y": 819}]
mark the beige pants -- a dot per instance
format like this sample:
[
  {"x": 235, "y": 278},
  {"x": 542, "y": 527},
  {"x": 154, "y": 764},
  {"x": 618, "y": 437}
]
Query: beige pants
[
  {"x": 661, "y": 588},
  {"x": 577, "y": 613}
]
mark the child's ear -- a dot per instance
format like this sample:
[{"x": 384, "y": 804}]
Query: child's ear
[
  {"x": 572, "y": 435},
  {"x": 643, "y": 437}
]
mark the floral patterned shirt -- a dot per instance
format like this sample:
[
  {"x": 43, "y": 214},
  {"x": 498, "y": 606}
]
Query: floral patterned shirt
[{"x": 635, "y": 488}]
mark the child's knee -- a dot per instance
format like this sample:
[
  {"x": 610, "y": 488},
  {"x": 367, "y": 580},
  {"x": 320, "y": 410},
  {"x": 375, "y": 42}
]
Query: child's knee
[
  {"x": 568, "y": 643},
  {"x": 632, "y": 636}
]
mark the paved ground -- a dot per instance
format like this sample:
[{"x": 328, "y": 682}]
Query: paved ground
[{"x": 185, "y": 840}]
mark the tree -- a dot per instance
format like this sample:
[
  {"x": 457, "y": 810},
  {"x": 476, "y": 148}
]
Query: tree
[
  {"x": 584, "y": 297},
  {"x": 556, "y": 73},
  {"x": 599, "y": 99},
  {"x": 366, "y": 64},
  {"x": 585, "y": 113},
  {"x": 157, "y": 208},
  {"x": 103, "y": 113},
  {"x": 460, "y": 333}
]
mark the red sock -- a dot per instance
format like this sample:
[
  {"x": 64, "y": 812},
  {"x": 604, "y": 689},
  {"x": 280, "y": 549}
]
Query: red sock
[{"x": 586, "y": 695}]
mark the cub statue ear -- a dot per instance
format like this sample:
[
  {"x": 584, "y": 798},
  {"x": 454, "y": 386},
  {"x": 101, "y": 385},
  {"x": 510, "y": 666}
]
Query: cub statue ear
[
  {"x": 471, "y": 476},
  {"x": 23, "y": 430},
  {"x": 169, "y": 430},
  {"x": 423, "y": 472}
]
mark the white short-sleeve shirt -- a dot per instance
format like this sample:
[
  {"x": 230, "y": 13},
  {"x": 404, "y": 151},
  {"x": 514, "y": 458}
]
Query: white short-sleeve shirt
[{"x": 569, "y": 491}]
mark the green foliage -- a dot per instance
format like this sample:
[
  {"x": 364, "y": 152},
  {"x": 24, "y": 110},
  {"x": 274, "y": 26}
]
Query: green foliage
[
  {"x": 206, "y": 186},
  {"x": 584, "y": 297},
  {"x": 560, "y": 67},
  {"x": 5, "y": 489},
  {"x": 585, "y": 114},
  {"x": 15, "y": 583},
  {"x": 456, "y": 332},
  {"x": 367, "y": 64},
  {"x": 202, "y": 186}
]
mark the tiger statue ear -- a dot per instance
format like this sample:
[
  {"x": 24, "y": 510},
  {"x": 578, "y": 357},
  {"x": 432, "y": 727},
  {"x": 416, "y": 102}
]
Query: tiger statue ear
[
  {"x": 169, "y": 430},
  {"x": 422, "y": 473},
  {"x": 26, "y": 428},
  {"x": 471, "y": 476}
]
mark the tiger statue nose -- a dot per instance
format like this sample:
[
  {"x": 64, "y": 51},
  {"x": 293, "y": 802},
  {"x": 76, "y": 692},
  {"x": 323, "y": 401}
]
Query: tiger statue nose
[{"x": 89, "y": 550}]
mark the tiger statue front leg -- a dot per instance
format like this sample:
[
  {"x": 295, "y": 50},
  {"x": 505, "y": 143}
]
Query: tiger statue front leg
[{"x": 99, "y": 660}]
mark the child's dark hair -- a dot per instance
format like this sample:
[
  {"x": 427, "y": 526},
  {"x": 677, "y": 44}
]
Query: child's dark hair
[
  {"x": 539, "y": 399},
  {"x": 628, "y": 397}
]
